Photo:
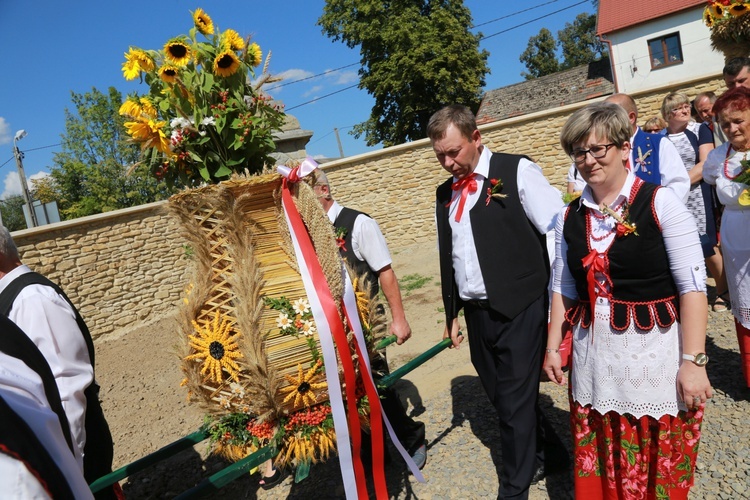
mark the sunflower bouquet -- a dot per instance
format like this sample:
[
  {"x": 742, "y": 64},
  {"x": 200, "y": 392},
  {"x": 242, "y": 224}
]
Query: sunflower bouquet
[
  {"x": 201, "y": 120},
  {"x": 729, "y": 23}
]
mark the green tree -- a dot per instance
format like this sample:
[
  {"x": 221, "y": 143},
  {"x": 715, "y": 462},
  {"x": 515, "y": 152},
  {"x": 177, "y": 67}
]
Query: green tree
[
  {"x": 11, "y": 210},
  {"x": 539, "y": 56},
  {"x": 416, "y": 56},
  {"x": 579, "y": 42},
  {"x": 91, "y": 174}
]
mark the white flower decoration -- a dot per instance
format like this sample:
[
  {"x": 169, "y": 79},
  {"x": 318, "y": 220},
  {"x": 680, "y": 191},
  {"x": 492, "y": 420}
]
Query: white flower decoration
[
  {"x": 224, "y": 401},
  {"x": 237, "y": 389},
  {"x": 308, "y": 328},
  {"x": 283, "y": 321},
  {"x": 301, "y": 306},
  {"x": 209, "y": 120}
]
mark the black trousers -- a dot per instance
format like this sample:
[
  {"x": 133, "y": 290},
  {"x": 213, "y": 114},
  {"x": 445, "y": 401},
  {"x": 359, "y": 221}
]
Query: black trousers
[
  {"x": 507, "y": 354},
  {"x": 409, "y": 432}
]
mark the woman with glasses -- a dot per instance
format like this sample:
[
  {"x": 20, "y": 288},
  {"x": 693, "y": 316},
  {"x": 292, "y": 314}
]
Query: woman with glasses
[
  {"x": 654, "y": 125},
  {"x": 694, "y": 141},
  {"x": 630, "y": 280}
]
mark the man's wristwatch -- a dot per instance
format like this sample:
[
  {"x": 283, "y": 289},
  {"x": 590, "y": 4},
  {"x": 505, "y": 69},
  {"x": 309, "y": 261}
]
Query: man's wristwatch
[{"x": 699, "y": 359}]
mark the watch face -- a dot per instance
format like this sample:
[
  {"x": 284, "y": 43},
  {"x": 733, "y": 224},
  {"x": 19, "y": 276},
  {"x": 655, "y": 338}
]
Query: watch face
[{"x": 701, "y": 359}]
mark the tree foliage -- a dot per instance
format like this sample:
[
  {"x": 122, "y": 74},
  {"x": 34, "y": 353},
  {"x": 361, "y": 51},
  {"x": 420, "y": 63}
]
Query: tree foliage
[
  {"x": 11, "y": 210},
  {"x": 416, "y": 56},
  {"x": 578, "y": 43},
  {"x": 90, "y": 175},
  {"x": 539, "y": 56}
]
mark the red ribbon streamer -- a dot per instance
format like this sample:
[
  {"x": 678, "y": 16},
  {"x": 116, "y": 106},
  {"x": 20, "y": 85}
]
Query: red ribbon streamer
[
  {"x": 466, "y": 185},
  {"x": 594, "y": 262},
  {"x": 339, "y": 336}
]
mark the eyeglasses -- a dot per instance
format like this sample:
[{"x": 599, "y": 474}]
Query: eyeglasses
[{"x": 597, "y": 151}]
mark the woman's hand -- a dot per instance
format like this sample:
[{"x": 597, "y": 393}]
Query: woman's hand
[
  {"x": 553, "y": 366},
  {"x": 693, "y": 385}
]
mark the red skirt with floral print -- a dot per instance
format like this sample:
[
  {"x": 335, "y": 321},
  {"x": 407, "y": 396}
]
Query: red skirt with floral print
[{"x": 623, "y": 457}]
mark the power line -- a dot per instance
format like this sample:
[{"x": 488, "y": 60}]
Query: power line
[
  {"x": 6, "y": 161},
  {"x": 313, "y": 76},
  {"x": 513, "y": 14},
  {"x": 536, "y": 19},
  {"x": 42, "y": 147},
  {"x": 322, "y": 97}
]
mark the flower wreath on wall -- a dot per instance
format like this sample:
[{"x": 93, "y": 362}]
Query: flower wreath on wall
[
  {"x": 201, "y": 120},
  {"x": 729, "y": 23}
]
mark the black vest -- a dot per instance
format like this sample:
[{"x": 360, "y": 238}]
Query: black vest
[
  {"x": 345, "y": 222},
  {"x": 642, "y": 284},
  {"x": 512, "y": 253},
  {"x": 98, "y": 450}
]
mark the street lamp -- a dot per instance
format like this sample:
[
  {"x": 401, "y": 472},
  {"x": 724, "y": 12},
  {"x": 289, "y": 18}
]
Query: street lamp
[{"x": 24, "y": 187}]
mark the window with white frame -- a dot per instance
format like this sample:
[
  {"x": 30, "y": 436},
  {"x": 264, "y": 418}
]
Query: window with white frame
[{"x": 665, "y": 51}]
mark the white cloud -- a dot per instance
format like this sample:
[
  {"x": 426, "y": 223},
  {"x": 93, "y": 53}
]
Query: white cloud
[
  {"x": 293, "y": 74},
  {"x": 13, "y": 183},
  {"x": 345, "y": 77},
  {"x": 4, "y": 131},
  {"x": 313, "y": 90}
]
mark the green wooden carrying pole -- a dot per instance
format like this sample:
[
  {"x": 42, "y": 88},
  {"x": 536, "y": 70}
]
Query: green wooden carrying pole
[
  {"x": 171, "y": 449},
  {"x": 229, "y": 474},
  {"x": 414, "y": 363}
]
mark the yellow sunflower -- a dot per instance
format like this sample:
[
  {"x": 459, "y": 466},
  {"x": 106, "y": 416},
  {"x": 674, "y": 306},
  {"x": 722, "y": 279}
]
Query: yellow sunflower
[
  {"x": 177, "y": 52},
  {"x": 717, "y": 10},
  {"x": 708, "y": 19},
  {"x": 147, "y": 107},
  {"x": 302, "y": 388},
  {"x": 738, "y": 9},
  {"x": 218, "y": 349},
  {"x": 149, "y": 132},
  {"x": 226, "y": 63},
  {"x": 131, "y": 108},
  {"x": 230, "y": 39},
  {"x": 136, "y": 60},
  {"x": 168, "y": 73},
  {"x": 203, "y": 22},
  {"x": 254, "y": 55}
]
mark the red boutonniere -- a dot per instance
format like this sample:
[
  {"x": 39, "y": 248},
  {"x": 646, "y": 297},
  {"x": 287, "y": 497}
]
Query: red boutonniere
[
  {"x": 340, "y": 235},
  {"x": 496, "y": 185},
  {"x": 623, "y": 226}
]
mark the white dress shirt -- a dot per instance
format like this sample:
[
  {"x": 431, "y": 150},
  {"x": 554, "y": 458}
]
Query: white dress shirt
[
  {"x": 671, "y": 169},
  {"x": 23, "y": 391},
  {"x": 541, "y": 202},
  {"x": 368, "y": 242},
  {"x": 50, "y": 323}
]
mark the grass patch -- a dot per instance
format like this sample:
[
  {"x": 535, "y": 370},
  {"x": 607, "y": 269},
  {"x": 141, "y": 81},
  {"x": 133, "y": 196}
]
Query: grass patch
[{"x": 412, "y": 282}]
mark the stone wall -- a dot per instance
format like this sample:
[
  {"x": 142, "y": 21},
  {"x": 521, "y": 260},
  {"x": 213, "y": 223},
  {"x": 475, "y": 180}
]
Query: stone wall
[
  {"x": 129, "y": 267},
  {"x": 119, "y": 268}
]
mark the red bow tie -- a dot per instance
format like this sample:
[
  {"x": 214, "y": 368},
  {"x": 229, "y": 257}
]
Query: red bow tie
[{"x": 463, "y": 187}]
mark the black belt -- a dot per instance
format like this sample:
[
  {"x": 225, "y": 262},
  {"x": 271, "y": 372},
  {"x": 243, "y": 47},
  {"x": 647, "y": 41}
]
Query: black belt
[{"x": 479, "y": 304}]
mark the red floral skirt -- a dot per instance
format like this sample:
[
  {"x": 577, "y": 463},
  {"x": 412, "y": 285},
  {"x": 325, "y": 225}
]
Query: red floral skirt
[{"x": 623, "y": 457}]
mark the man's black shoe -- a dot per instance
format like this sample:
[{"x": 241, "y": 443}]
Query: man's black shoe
[{"x": 539, "y": 474}]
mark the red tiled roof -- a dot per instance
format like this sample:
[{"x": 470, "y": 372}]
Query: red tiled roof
[{"x": 618, "y": 14}]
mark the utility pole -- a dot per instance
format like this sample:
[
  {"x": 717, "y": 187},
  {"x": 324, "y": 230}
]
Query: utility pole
[
  {"x": 338, "y": 140},
  {"x": 24, "y": 187}
]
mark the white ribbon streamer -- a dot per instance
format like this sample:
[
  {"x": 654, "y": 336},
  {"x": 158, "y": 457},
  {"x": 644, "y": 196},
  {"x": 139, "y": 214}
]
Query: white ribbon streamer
[{"x": 340, "y": 423}]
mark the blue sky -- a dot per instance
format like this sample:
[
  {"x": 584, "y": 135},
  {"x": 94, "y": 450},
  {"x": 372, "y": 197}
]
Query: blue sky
[{"x": 52, "y": 48}]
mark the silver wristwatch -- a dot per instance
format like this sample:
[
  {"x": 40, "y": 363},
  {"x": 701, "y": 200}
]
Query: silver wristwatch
[{"x": 699, "y": 359}]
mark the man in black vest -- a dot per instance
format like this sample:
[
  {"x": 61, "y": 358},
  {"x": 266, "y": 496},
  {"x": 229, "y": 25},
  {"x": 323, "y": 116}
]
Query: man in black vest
[
  {"x": 363, "y": 247},
  {"x": 493, "y": 217},
  {"x": 46, "y": 315},
  {"x": 36, "y": 450}
]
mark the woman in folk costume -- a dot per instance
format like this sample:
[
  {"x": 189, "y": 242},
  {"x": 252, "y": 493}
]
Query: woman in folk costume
[
  {"x": 724, "y": 168},
  {"x": 630, "y": 279}
]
